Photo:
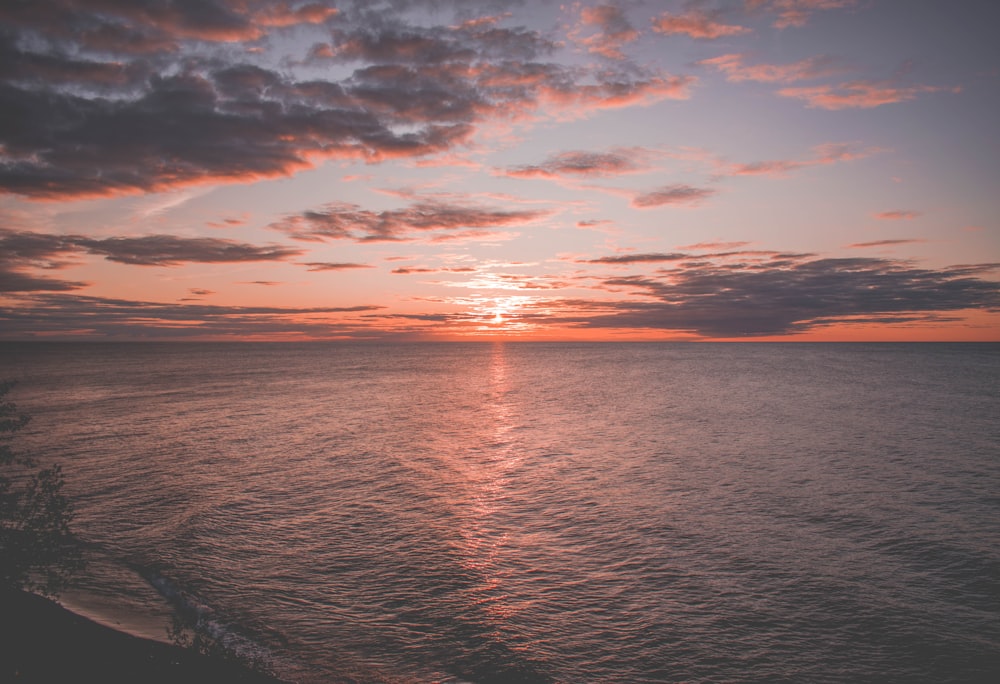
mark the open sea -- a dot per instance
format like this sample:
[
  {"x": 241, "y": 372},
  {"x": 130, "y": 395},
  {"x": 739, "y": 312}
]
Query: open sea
[{"x": 537, "y": 512}]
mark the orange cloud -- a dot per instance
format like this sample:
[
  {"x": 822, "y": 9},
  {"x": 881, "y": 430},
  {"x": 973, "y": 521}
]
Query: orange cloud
[{"x": 281, "y": 14}]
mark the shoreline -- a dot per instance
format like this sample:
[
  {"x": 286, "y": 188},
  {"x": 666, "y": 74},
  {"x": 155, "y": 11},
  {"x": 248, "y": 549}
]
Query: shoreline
[{"x": 41, "y": 641}]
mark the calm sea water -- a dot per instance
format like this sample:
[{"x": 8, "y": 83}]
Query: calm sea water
[{"x": 539, "y": 512}]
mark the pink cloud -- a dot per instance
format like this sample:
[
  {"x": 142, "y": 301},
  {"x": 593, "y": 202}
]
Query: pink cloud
[
  {"x": 333, "y": 266},
  {"x": 884, "y": 243},
  {"x": 581, "y": 163},
  {"x": 735, "y": 70},
  {"x": 671, "y": 195},
  {"x": 715, "y": 245},
  {"x": 822, "y": 155},
  {"x": 281, "y": 15},
  {"x": 696, "y": 24},
  {"x": 408, "y": 270},
  {"x": 859, "y": 94},
  {"x": 796, "y": 12},
  {"x": 614, "y": 29},
  {"x": 615, "y": 94},
  {"x": 897, "y": 214}
]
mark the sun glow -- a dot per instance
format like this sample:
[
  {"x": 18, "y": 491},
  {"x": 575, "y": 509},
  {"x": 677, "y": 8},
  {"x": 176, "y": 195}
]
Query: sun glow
[{"x": 504, "y": 315}]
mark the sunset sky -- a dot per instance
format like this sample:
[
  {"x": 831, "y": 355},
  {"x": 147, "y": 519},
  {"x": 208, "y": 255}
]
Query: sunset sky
[{"x": 423, "y": 169}]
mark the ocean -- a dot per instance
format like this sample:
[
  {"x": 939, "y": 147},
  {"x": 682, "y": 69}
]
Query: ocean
[{"x": 537, "y": 512}]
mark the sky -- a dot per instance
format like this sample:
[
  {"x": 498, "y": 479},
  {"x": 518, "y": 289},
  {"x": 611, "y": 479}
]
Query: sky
[{"x": 807, "y": 170}]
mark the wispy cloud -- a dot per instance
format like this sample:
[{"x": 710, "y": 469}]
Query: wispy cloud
[
  {"x": 736, "y": 70},
  {"x": 334, "y": 266},
  {"x": 170, "y": 250},
  {"x": 24, "y": 251},
  {"x": 613, "y": 31},
  {"x": 715, "y": 245},
  {"x": 897, "y": 215},
  {"x": 857, "y": 94},
  {"x": 410, "y": 270},
  {"x": 796, "y": 13},
  {"x": 822, "y": 155},
  {"x": 696, "y": 24},
  {"x": 578, "y": 163},
  {"x": 861, "y": 94},
  {"x": 884, "y": 243},
  {"x": 42, "y": 314},
  {"x": 646, "y": 258},
  {"x": 672, "y": 195}
]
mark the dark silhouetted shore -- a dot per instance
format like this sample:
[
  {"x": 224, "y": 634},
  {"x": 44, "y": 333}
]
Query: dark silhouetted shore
[{"x": 41, "y": 641}]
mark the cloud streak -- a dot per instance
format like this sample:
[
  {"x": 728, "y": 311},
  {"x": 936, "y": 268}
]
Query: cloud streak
[
  {"x": 672, "y": 195},
  {"x": 42, "y": 314},
  {"x": 860, "y": 94},
  {"x": 21, "y": 252},
  {"x": 736, "y": 70},
  {"x": 428, "y": 219},
  {"x": 796, "y": 13},
  {"x": 822, "y": 155},
  {"x": 576, "y": 163},
  {"x": 897, "y": 215},
  {"x": 696, "y": 24}
]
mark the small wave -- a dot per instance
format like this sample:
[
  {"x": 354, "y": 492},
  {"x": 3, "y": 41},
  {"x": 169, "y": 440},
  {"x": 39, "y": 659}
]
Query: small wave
[{"x": 196, "y": 620}]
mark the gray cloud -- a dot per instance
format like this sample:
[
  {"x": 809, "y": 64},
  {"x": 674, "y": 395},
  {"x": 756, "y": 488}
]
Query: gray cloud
[
  {"x": 21, "y": 252},
  {"x": 121, "y": 97},
  {"x": 579, "y": 163},
  {"x": 333, "y": 266},
  {"x": 340, "y": 221},
  {"x": 170, "y": 250},
  {"x": 794, "y": 295},
  {"x": 40, "y": 314},
  {"x": 652, "y": 257},
  {"x": 672, "y": 195},
  {"x": 885, "y": 243}
]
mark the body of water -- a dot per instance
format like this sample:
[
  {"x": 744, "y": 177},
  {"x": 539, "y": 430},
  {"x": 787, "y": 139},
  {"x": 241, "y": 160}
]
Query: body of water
[{"x": 538, "y": 512}]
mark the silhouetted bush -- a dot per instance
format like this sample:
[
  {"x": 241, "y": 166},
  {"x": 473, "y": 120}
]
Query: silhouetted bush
[{"x": 37, "y": 550}]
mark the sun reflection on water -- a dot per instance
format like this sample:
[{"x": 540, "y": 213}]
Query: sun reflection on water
[{"x": 485, "y": 533}]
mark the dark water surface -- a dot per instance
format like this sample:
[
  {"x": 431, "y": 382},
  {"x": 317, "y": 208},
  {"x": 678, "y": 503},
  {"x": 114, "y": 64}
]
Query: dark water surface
[{"x": 540, "y": 512}]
